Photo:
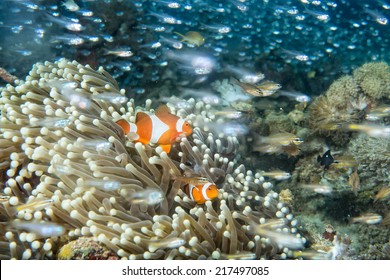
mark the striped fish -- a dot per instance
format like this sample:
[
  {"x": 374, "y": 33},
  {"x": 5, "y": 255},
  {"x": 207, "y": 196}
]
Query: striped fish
[
  {"x": 161, "y": 128},
  {"x": 201, "y": 192}
]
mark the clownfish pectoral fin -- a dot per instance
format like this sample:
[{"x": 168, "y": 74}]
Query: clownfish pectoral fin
[
  {"x": 133, "y": 136},
  {"x": 162, "y": 110},
  {"x": 166, "y": 148},
  {"x": 139, "y": 116},
  {"x": 124, "y": 125}
]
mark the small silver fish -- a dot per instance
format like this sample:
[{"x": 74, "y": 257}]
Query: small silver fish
[
  {"x": 229, "y": 114},
  {"x": 269, "y": 230},
  {"x": 51, "y": 122},
  {"x": 295, "y": 95},
  {"x": 120, "y": 52},
  {"x": 219, "y": 28},
  {"x": 173, "y": 242},
  {"x": 169, "y": 4},
  {"x": 36, "y": 204},
  {"x": 276, "y": 174},
  {"x": 166, "y": 18},
  {"x": 70, "y": 5},
  {"x": 368, "y": 218},
  {"x": 244, "y": 75},
  {"x": 68, "y": 39},
  {"x": 112, "y": 97},
  {"x": 370, "y": 129},
  {"x": 317, "y": 188},
  {"x": 42, "y": 229},
  {"x": 296, "y": 54},
  {"x": 71, "y": 24},
  {"x": 149, "y": 196},
  {"x": 378, "y": 113},
  {"x": 105, "y": 185},
  {"x": 241, "y": 256},
  {"x": 377, "y": 16},
  {"x": 98, "y": 145}
]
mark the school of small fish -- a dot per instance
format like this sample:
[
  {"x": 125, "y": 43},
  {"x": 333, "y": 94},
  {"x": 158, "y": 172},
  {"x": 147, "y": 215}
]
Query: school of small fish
[
  {"x": 145, "y": 43},
  {"x": 152, "y": 37}
]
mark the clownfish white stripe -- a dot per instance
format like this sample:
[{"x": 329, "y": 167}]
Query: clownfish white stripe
[
  {"x": 190, "y": 188},
  {"x": 179, "y": 125},
  {"x": 133, "y": 127},
  {"x": 158, "y": 128},
  {"x": 133, "y": 130},
  {"x": 204, "y": 191}
]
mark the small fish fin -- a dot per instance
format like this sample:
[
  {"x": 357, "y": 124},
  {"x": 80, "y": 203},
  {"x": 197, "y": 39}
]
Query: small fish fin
[
  {"x": 166, "y": 148},
  {"x": 179, "y": 34},
  {"x": 139, "y": 116},
  {"x": 124, "y": 125},
  {"x": 162, "y": 110},
  {"x": 133, "y": 136},
  {"x": 174, "y": 137},
  {"x": 234, "y": 81}
]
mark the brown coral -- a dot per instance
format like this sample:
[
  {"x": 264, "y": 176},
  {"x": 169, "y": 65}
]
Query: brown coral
[{"x": 374, "y": 79}]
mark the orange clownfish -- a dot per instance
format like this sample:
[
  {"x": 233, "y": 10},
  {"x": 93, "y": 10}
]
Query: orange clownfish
[
  {"x": 161, "y": 128},
  {"x": 201, "y": 192}
]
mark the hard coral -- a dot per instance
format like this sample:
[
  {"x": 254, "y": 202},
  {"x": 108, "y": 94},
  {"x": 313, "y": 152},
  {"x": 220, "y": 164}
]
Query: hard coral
[
  {"x": 344, "y": 88},
  {"x": 374, "y": 79},
  {"x": 342, "y": 103},
  {"x": 374, "y": 158},
  {"x": 325, "y": 117},
  {"x": 85, "y": 248}
]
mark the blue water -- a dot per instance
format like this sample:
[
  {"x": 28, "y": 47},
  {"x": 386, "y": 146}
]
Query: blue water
[
  {"x": 336, "y": 36},
  {"x": 303, "y": 46}
]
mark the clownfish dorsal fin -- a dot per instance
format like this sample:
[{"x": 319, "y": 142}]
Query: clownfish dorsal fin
[
  {"x": 139, "y": 116},
  {"x": 162, "y": 110}
]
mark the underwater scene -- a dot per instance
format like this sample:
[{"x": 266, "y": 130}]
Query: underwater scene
[{"x": 195, "y": 129}]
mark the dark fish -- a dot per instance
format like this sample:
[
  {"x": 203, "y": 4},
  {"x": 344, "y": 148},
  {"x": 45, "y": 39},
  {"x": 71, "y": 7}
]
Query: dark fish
[{"x": 326, "y": 160}]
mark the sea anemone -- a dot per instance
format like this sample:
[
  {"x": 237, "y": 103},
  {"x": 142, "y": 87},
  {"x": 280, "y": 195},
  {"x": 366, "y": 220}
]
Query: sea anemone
[{"x": 60, "y": 143}]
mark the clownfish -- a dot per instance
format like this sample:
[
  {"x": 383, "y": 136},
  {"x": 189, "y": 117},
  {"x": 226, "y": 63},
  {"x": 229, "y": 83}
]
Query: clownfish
[
  {"x": 200, "y": 192},
  {"x": 161, "y": 128}
]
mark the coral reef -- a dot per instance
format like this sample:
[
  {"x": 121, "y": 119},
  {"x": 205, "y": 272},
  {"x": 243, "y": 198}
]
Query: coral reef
[
  {"x": 374, "y": 79},
  {"x": 347, "y": 101},
  {"x": 374, "y": 158},
  {"x": 337, "y": 106},
  {"x": 60, "y": 144},
  {"x": 85, "y": 248},
  {"x": 279, "y": 122}
]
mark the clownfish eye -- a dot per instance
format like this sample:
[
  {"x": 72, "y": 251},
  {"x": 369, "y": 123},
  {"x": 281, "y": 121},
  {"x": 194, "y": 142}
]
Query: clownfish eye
[{"x": 187, "y": 124}]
